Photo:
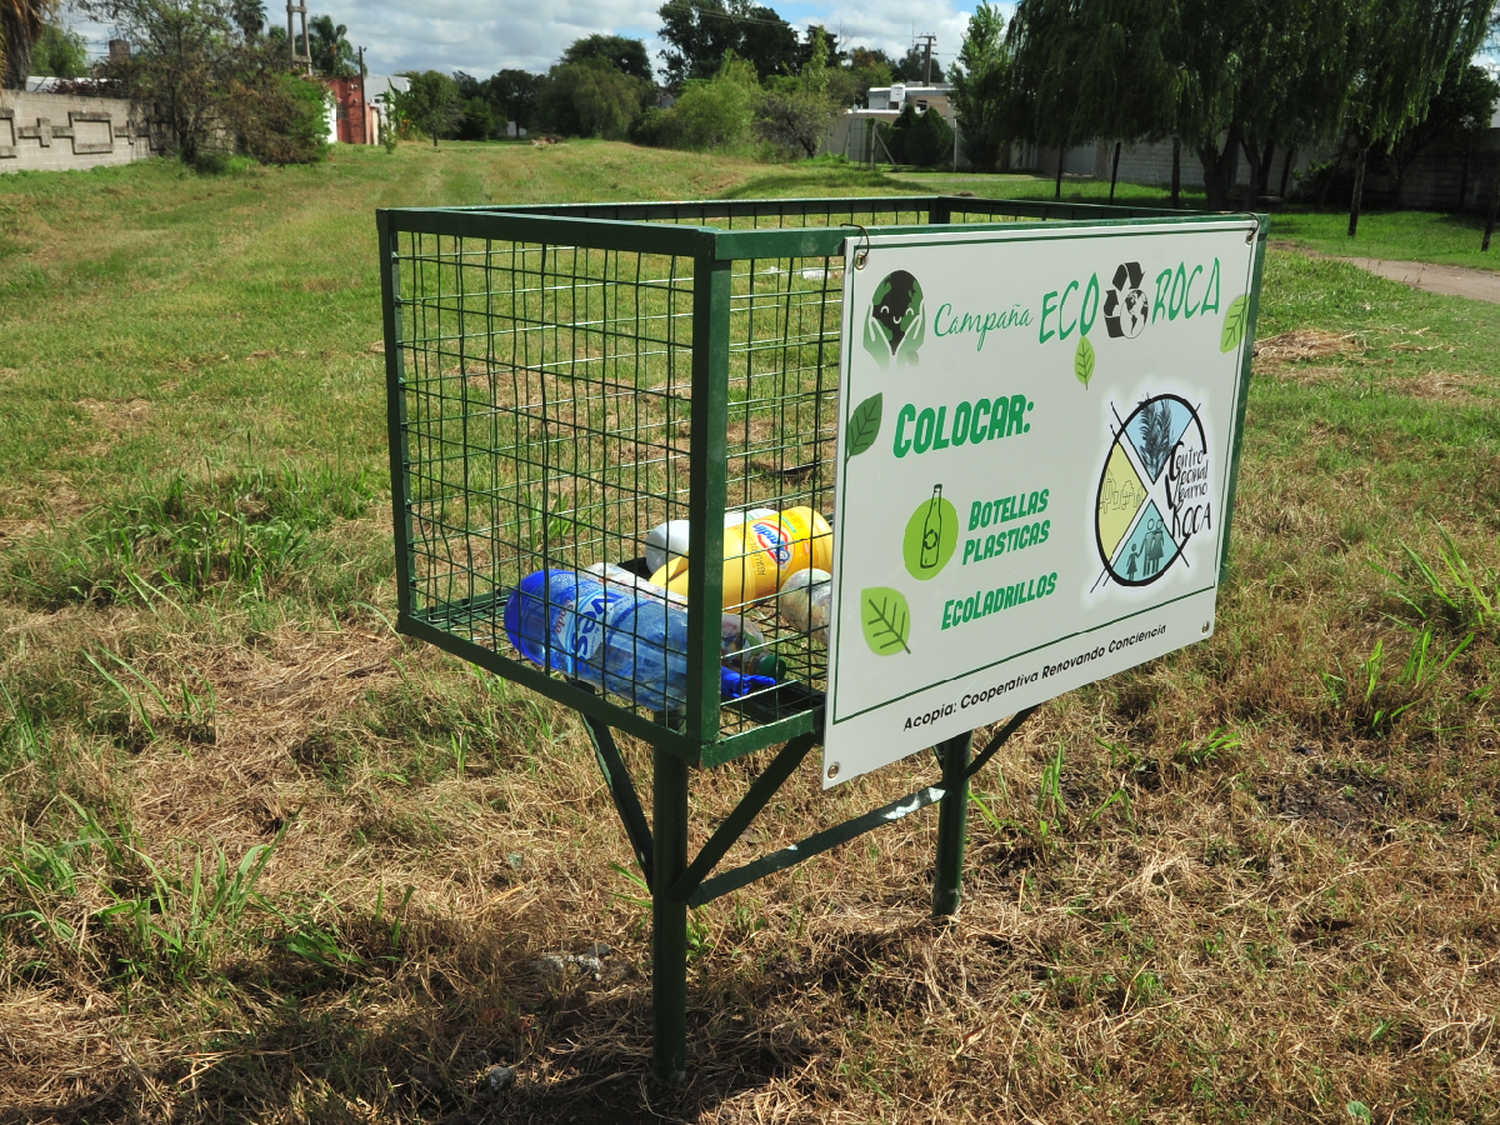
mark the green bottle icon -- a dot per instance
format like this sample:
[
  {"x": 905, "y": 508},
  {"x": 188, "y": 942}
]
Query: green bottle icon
[{"x": 932, "y": 530}]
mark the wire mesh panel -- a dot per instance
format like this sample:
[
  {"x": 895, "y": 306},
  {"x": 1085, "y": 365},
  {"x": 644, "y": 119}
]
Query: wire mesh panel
[{"x": 574, "y": 391}]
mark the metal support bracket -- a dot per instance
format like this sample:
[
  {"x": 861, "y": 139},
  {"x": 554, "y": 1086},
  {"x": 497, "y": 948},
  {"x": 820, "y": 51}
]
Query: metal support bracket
[{"x": 677, "y": 884}]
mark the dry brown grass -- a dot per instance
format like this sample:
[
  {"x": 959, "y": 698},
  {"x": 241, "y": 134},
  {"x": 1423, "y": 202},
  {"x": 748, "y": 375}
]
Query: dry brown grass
[{"x": 1270, "y": 926}]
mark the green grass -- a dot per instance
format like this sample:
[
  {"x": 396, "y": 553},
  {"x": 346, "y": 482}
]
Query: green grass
[
  {"x": 1403, "y": 236},
  {"x": 262, "y": 860}
]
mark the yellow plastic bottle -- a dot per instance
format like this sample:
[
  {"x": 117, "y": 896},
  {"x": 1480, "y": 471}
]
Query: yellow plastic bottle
[{"x": 760, "y": 553}]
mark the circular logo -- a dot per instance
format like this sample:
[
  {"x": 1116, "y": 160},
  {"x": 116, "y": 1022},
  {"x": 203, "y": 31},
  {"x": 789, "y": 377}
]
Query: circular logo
[
  {"x": 1156, "y": 491},
  {"x": 931, "y": 537},
  {"x": 770, "y": 537},
  {"x": 1126, "y": 306}
]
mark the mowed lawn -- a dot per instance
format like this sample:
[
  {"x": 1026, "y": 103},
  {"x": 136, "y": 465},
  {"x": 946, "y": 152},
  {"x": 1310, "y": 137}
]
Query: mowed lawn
[{"x": 263, "y": 860}]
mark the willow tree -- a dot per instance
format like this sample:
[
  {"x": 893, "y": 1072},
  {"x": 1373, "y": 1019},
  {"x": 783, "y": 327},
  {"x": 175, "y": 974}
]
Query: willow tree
[
  {"x": 1126, "y": 81},
  {"x": 1401, "y": 50},
  {"x": 1040, "y": 102},
  {"x": 21, "y": 25}
]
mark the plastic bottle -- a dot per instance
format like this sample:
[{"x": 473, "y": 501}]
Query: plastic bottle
[
  {"x": 805, "y": 602},
  {"x": 760, "y": 553},
  {"x": 741, "y": 643},
  {"x": 932, "y": 530},
  {"x": 669, "y": 540},
  {"x": 629, "y": 644}
]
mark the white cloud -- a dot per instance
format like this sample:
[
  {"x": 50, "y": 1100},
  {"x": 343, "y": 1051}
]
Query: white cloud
[{"x": 482, "y": 38}]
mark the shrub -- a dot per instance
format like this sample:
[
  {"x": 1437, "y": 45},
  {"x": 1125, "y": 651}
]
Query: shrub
[
  {"x": 923, "y": 139},
  {"x": 286, "y": 122}
]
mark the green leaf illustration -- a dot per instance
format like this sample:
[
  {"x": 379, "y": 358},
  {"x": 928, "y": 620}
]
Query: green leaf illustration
[
  {"x": 886, "y": 619},
  {"x": 1236, "y": 320},
  {"x": 864, "y": 426},
  {"x": 1083, "y": 361}
]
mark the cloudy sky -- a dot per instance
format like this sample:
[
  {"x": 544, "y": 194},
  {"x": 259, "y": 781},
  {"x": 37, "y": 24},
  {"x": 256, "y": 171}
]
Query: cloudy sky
[{"x": 483, "y": 36}]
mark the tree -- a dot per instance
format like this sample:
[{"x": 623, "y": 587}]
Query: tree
[
  {"x": 912, "y": 69},
  {"x": 718, "y": 113},
  {"x": 59, "y": 53},
  {"x": 281, "y": 119},
  {"x": 1461, "y": 109},
  {"x": 1222, "y": 77},
  {"x": 701, "y": 31},
  {"x": 514, "y": 93},
  {"x": 21, "y": 25},
  {"x": 591, "y": 99},
  {"x": 597, "y": 88},
  {"x": 1402, "y": 50},
  {"x": 208, "y": 85},
  {"x": 431, "y": 104},
  {"x": 250, "y": 17},
  {"x": 797, "y": 113},
  {"x": 332, "y": 55},
  {"x": 837, "y": 56},
  {"x": 1040, "y": 101},
  {"x": 849, "y": 85},
  {"x": 628, "y": 56},
  {"x": 480, "y": 118},
  {"x": 979, "y": 79},
  {"x": 923, "y": 139}
]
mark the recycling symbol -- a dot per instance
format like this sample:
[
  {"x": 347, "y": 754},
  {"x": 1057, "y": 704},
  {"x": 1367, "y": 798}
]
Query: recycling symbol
[{"x": 1126, "y": 306}]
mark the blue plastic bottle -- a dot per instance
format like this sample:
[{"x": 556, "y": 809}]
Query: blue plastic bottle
[{"x": 629, "y": 645}]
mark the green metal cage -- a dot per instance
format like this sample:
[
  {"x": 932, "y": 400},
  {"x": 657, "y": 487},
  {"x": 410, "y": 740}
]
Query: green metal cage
[{"x": 564, "y": 378}]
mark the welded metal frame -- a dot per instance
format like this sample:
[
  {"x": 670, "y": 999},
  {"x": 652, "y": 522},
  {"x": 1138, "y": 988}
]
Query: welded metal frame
[{"x": 715, "y": 234}]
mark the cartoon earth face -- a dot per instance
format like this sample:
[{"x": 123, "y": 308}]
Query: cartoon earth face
[
  {"x": 895, "y": 327},
  {"x": 1126, "y": 306}
]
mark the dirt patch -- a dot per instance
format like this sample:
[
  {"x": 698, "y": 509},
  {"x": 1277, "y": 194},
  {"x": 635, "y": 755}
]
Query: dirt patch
[
  {"x": 1445, "y": 386},
  {"x": 1287, "y": 357},
  {"x": 266, "y": 700},
  {"x": 118, "y": 417},
  {"x": 271, "y": 695},
  {"x": 1337, "y": 796},
  {"x": 1304, "y": 344},
  {"x": 13, "y": 531}
]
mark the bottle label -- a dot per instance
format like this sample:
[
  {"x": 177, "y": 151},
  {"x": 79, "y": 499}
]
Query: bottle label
[
  {"x": 583, "y": 628},
  {"x": 775, "y": 543}
]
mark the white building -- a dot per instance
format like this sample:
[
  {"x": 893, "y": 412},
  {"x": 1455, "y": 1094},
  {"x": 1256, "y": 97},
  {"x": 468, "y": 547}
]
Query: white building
[{"x": 854, "y": 134}]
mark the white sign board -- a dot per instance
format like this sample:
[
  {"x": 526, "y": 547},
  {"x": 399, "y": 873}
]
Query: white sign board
[{"x": 1034, "y": 458}]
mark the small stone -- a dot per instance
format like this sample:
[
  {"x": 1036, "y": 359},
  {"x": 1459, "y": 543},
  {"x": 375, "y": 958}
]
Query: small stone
[
  {"x": 499, "y": 1079},
  {"x": 588, "y": 964}
]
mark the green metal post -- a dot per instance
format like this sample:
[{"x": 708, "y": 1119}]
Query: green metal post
[
  {"x": 953, "y": 824},
  {"x": 669, "y": 800}
]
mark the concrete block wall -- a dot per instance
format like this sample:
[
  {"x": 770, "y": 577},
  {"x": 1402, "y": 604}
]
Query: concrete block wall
[
  {"x": 1152, "y": 164},
  {"x": 1437, "y": 175},
  {"x": 1432, "y": 181},
  {"x": 62, "y": 132}
]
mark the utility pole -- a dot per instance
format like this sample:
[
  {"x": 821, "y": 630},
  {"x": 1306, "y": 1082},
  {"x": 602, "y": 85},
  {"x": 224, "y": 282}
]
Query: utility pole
[
  {"x": 927, "y": 59},
  {"x": 303, "y": 57}
]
